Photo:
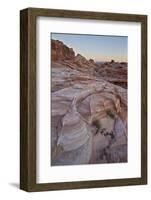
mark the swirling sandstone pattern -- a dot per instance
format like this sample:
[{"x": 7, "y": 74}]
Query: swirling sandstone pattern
[{"x": 89, "y": 113}]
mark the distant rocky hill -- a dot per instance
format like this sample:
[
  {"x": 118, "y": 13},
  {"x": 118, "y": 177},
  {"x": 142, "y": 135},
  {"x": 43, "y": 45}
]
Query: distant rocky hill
[
  {"x": 59, "y": 51},
  {"x": 88, "y": 109},
  {"x": 113, "y": 72}
]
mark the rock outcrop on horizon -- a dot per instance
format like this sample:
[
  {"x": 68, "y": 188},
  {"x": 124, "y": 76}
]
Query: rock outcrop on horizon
[
  {"x": 88, "y": 109},
  {"x": 59, "y": 51}
]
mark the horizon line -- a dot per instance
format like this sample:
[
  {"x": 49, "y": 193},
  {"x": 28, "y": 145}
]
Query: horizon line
[{"x": 107, "y": 58}]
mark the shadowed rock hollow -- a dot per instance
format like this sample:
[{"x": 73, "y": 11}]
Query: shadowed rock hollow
[{"x": 89, "y": 112}]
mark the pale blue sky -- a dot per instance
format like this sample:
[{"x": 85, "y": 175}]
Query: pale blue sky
[{"x": 97, "y": 47}]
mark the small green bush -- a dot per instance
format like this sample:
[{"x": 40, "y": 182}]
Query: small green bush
[
  {"x": 97, "y": 124},
  {"x": 110, "y": 113}
]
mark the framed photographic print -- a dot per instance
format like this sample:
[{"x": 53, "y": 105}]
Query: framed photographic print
[{"x": 83, "y": 93}]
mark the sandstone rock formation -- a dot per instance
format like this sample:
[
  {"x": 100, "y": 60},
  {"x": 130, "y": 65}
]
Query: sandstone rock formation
[
  {"x": 59, "y": 51},
  {"x": 89, "y": 112},
  {"x": 113, "y": 72}
]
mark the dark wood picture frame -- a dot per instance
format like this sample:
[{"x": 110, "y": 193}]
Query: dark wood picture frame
[{"x": 28, "y": 98}]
